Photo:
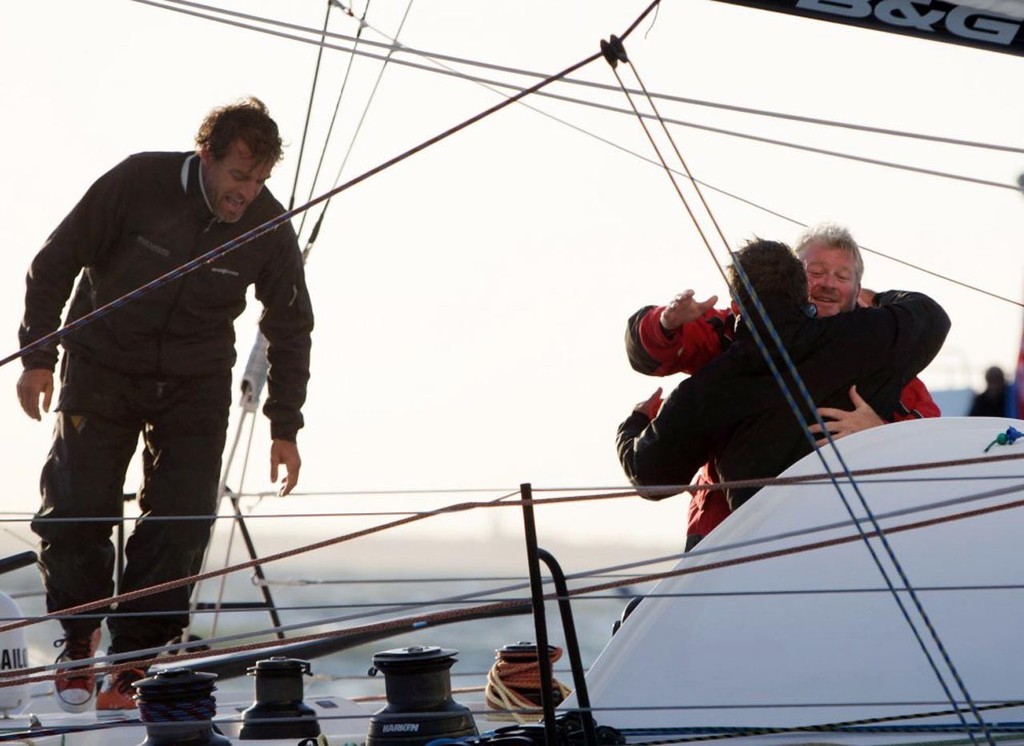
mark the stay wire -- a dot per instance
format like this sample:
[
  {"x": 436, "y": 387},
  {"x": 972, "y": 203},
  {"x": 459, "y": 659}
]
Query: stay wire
[
  {"x": 435, "y": 56},
  {"x": 359, "y": 127},
  {"x": 334, "y": 119},
  {"x": 309, "y": 106},
  {"x": 716, "y": 130},
  {"x": 756, "y": 205},
  {"x": 808, "y": 401},
  {"x": 53, "y": 337},
  {"x": 698, "y": 183}
]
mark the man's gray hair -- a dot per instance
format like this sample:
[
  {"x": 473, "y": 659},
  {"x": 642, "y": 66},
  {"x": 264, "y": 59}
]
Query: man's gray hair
[{"x": 835, "y": 236}]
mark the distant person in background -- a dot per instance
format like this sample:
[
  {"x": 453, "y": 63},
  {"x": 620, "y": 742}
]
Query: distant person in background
[
  {"x": 158, "y": 367},
  {"x": 685, "y": 335},
  {"x": 992, "y": 401}
]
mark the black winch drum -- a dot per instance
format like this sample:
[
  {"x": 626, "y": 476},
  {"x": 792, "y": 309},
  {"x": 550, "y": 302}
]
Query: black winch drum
[{"x": 420, "y": 708}]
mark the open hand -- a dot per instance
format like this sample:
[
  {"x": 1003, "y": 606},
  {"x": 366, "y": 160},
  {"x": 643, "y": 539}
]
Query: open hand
[
  {"x": 285, "y": 453},
  {"x": 33, "y": 384},
  {"x": 683, "y": 309},
  {"x": 651, "y": 406},
  {"x": 841, "y": 422}
]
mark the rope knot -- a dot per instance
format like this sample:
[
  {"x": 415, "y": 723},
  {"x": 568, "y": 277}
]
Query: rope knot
[{"x": 1008, "y": 438}]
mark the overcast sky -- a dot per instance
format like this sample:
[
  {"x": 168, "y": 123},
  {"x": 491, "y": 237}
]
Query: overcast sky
[{"x": 471, "y": 301}]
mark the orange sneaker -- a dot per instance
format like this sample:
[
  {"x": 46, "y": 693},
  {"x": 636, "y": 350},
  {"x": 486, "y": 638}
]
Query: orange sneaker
[
  {"x": 117, "y": 692},
  {"x": 75, "y": 688}
]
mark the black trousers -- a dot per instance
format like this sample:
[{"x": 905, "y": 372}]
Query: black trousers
[{"x": 101, "y": 415}]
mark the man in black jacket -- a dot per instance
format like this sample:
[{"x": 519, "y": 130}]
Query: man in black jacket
[
  {"x": 732, "y": 411},
  {"x": 159, "y": 366}
]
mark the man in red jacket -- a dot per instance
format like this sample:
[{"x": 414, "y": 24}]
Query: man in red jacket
[{"x": 684, "y": 335}]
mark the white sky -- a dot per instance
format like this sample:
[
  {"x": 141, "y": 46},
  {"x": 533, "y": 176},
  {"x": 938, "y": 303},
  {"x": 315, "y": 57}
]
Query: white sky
[{"x": 471, "y": 301}]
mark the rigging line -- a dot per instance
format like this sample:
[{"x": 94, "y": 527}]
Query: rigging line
[
  {"x": 808, "y": 480},
  {"x": 454, "y": 614},
  {"x": 784, "y": 143},
  {"x": 477, "y": 596},
  {"x": 620, "y": 490},
  {"x": 726, "y": 193},
  {"x": 707, "y": 128},
  {"x": 987, "y": 588},
  {"x": 558, "y": 500},
  {"x": 892, "y": 556},
  {"x": 614, "y": 52},
  {"x": 359, "y": 128},
  {"x": 236, "y": 527},
  {"x": 309, "y": 107},
  {"x": 393, "y": 47},
  {"x": 609, "y": 52},
  {"x": 890, "y": 552},
  {"x": 947, "y": 278},
  {"x": 693, "y": 734},
  {"x": 690, "y": 569},
  {"x": 807, "y": 399},
  {"x": 797, "y": 380},
  {"x": 217, "y": 252},
  {"x": 470, "y": 612},
  {"x": 181, "y": 582},
  {"x": 679, "y": 155},
  {"x": 701, "y": 551},
  {"x": 780, "y": 143},
  {"x": 749, "y": 202},
  {"x": 334, "y": 119}
]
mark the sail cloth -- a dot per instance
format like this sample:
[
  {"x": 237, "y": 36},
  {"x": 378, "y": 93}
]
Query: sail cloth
[{"x": 996, "y": 25}]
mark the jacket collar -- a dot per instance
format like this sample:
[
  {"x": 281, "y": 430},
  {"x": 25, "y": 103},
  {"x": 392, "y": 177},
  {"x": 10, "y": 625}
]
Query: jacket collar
[{"x": 192, "y": 183}]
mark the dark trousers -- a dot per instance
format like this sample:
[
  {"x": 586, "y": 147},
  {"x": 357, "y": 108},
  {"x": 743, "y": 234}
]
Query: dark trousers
[{"x": 101, "y": 414}]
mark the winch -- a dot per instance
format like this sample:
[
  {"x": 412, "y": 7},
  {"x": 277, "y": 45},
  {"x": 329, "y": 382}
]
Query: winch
[{"x": 420, "y": 708}]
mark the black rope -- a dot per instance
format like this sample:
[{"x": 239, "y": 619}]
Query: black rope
[
  {"x": 330, "y": 130},
  {"x": 309, "y": 106}
]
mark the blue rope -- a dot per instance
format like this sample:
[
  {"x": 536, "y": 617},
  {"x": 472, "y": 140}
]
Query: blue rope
[
  {"x": 164, "y": 712},
  {"x": 762, "y": 348},
  {"x": 805, "y": 394}
]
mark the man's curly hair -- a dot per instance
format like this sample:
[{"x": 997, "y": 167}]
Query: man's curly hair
[
  {"x": 774, "y": 272},
  {"x": 247, "y": 120}
]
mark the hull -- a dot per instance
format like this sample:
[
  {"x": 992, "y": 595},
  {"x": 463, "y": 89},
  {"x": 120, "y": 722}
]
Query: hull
[{"x": 809, "y": 633}]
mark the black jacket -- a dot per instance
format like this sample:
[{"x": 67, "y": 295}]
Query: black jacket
[
  {"x": 733, "y": 413},
  {"x": 142, "y": 219}
]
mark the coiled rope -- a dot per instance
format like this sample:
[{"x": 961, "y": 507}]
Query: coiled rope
[{"x": 514, "y": 687}]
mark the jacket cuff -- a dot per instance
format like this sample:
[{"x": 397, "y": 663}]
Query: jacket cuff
[
  {"x": 46, "y": 360},
  {"x": 284, "y": 432}
]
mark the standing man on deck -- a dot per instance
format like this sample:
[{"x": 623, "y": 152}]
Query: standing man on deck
[{"x": 159, "y": 366}]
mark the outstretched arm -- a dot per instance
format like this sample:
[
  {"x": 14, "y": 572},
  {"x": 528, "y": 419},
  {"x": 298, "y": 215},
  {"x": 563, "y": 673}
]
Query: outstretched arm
[
  {"x": 680, "y": 337},
  {"x": 683, "y": 309}
]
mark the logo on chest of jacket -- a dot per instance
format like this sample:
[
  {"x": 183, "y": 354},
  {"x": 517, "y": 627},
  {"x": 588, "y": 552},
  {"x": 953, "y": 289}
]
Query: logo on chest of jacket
[{"x": 154, "y": 247}]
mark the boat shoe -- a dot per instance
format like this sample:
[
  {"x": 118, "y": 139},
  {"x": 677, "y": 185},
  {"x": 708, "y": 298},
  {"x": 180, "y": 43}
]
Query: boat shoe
[
  {"x": 74, "y": 688},
  {"x": 117, "y": 692}
]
